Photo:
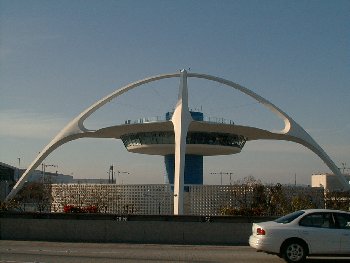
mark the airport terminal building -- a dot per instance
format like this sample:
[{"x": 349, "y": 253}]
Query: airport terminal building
[{"x": 183, "y": 137}]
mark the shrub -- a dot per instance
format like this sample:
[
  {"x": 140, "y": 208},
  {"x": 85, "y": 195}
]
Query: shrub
[{"x": 77, "y": 209}]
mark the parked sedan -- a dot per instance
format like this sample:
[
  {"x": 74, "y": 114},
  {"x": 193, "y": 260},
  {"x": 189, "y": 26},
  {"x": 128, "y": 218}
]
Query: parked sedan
[{"x": 304, "y": 233}]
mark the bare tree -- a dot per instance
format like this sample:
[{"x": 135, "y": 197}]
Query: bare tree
[
  {"x": 337, "y": 200},
  {"x": 36, "y": 194}
]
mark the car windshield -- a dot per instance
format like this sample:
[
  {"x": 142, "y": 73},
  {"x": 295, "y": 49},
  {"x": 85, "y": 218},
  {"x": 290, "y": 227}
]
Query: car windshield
[{"x": 289, "y": 218}]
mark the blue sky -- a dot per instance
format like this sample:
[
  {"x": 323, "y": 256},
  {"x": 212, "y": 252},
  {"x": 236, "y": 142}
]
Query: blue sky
[{"x": 59, "y": 57}]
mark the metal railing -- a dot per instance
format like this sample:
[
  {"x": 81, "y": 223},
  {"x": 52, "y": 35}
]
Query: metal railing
[{"x": 162, "y": 118}]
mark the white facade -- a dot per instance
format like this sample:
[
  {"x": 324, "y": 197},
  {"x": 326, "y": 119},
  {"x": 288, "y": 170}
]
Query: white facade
[
  {"x": 112, "y": 198},
  {"x": 48, "y": 177},
  {"x": 157, "y": 199},
  {"x": 328, "y": 181}
]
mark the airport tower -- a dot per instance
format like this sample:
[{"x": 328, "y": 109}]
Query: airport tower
[
  {"x": 193, "y": 162},
  {"x": 183, "y": 137}
]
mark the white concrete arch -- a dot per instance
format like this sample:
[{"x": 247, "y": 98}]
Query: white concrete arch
[
  {"x": 75, "y": 129},
  {"x": 292, "y": 130},
  {"x": 182, "y": 122}
]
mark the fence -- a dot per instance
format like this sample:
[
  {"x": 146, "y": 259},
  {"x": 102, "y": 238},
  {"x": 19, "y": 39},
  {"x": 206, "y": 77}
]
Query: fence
[{"x": 199, "y": 200}]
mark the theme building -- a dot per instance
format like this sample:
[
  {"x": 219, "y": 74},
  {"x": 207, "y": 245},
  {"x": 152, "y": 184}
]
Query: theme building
[{"x": 183, "y": 129}]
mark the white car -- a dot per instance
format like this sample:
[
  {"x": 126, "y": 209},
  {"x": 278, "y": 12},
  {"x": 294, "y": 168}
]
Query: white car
[{"x": 304, "y": 233}]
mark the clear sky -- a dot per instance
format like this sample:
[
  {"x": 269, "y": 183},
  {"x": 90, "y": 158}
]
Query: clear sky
[{"x": 59, "y": 57}]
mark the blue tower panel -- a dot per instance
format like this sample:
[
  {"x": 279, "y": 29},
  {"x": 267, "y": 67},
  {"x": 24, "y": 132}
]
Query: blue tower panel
[
  {"x": 196, "y": 115},
  {"x": 193, "y": 168}
]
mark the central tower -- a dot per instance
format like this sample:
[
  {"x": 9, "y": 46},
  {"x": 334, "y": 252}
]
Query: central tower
[{"x": 193, "y": 162}]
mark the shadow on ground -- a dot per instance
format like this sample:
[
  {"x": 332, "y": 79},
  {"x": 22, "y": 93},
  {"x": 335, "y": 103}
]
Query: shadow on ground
[{"x": 328, "y": 260}]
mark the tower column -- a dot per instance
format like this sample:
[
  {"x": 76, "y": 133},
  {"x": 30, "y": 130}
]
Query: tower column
[{"x": 181, "y": 120}]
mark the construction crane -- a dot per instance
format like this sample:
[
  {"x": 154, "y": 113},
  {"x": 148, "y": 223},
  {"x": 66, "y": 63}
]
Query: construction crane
[{"x": 224, "y": 173}]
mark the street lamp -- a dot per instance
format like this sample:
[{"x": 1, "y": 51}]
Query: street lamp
[
  {"x": 121, "y": 172},
  {"x": 224, "y": 173},
  {"x": 111, "y": 174},
  {"x": 43, "y": 168},
  {"x": 158, "y": 200}
]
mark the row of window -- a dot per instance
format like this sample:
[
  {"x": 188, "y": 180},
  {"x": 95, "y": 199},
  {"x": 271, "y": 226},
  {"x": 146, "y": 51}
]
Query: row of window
[
  {"x": 212, "y": 138},
  {"x": 319, "y": 219},
  {"x": 327, "y": 220}
]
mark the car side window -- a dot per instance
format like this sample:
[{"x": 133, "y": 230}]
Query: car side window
[
  {"x": 342, "y": 220},
  {"x": 321, "y": 220}
]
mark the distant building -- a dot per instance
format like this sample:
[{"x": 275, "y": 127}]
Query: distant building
[
  {"x": 328, "y": 181},
  {"x": 8, "y": 172},
  {"x": 8, "y": 175},
  {"x": 48, "y": 177},
  {"x": 91, "y": 181}
]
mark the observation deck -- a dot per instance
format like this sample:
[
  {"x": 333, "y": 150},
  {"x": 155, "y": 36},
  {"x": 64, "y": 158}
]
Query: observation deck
[{"x": 199, "y": 142}]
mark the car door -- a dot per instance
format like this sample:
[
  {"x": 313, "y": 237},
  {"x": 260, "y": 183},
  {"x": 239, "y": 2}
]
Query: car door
[
  {"x": 342, "y": 221},
  {"x": 318, "y": 230}
]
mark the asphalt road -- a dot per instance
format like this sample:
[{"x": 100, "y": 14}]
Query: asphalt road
[{"x": 29, "y": 251}]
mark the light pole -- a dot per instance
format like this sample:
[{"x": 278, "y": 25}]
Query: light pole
[
  {"x": 112, "y": 172},
  {"x": 155, "y": 198},
  {"x": 344, "y": 167},
  {"x": 224, "y": 173},
  {"x": 121, "y": 172},
  {"x": 43, "y": 168}
]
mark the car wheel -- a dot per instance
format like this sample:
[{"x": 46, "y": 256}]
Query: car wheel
[{"x": 294, "y": 252}]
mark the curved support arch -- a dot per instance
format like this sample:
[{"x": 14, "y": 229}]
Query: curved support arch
[
  {"x": 250, "y": 93},
  {"x": 76, "y": 129},
  {"x": 85, "y": 114},
  {"x": 292, "y": 130}
]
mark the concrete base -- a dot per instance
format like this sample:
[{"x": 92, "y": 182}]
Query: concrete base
[{"x": 127, "y": 229}]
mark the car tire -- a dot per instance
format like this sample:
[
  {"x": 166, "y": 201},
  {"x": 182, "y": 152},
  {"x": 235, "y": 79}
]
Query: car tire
[{"x": 294, "y": 251}]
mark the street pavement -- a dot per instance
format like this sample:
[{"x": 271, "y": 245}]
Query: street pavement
[{"x": 52, "y": 252}]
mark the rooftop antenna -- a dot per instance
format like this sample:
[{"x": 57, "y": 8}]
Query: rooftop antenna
[
  {"x": 224, "y": 173},
  {"x": 111, "y": 174},
  {"x": 344, "y": 167}
]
